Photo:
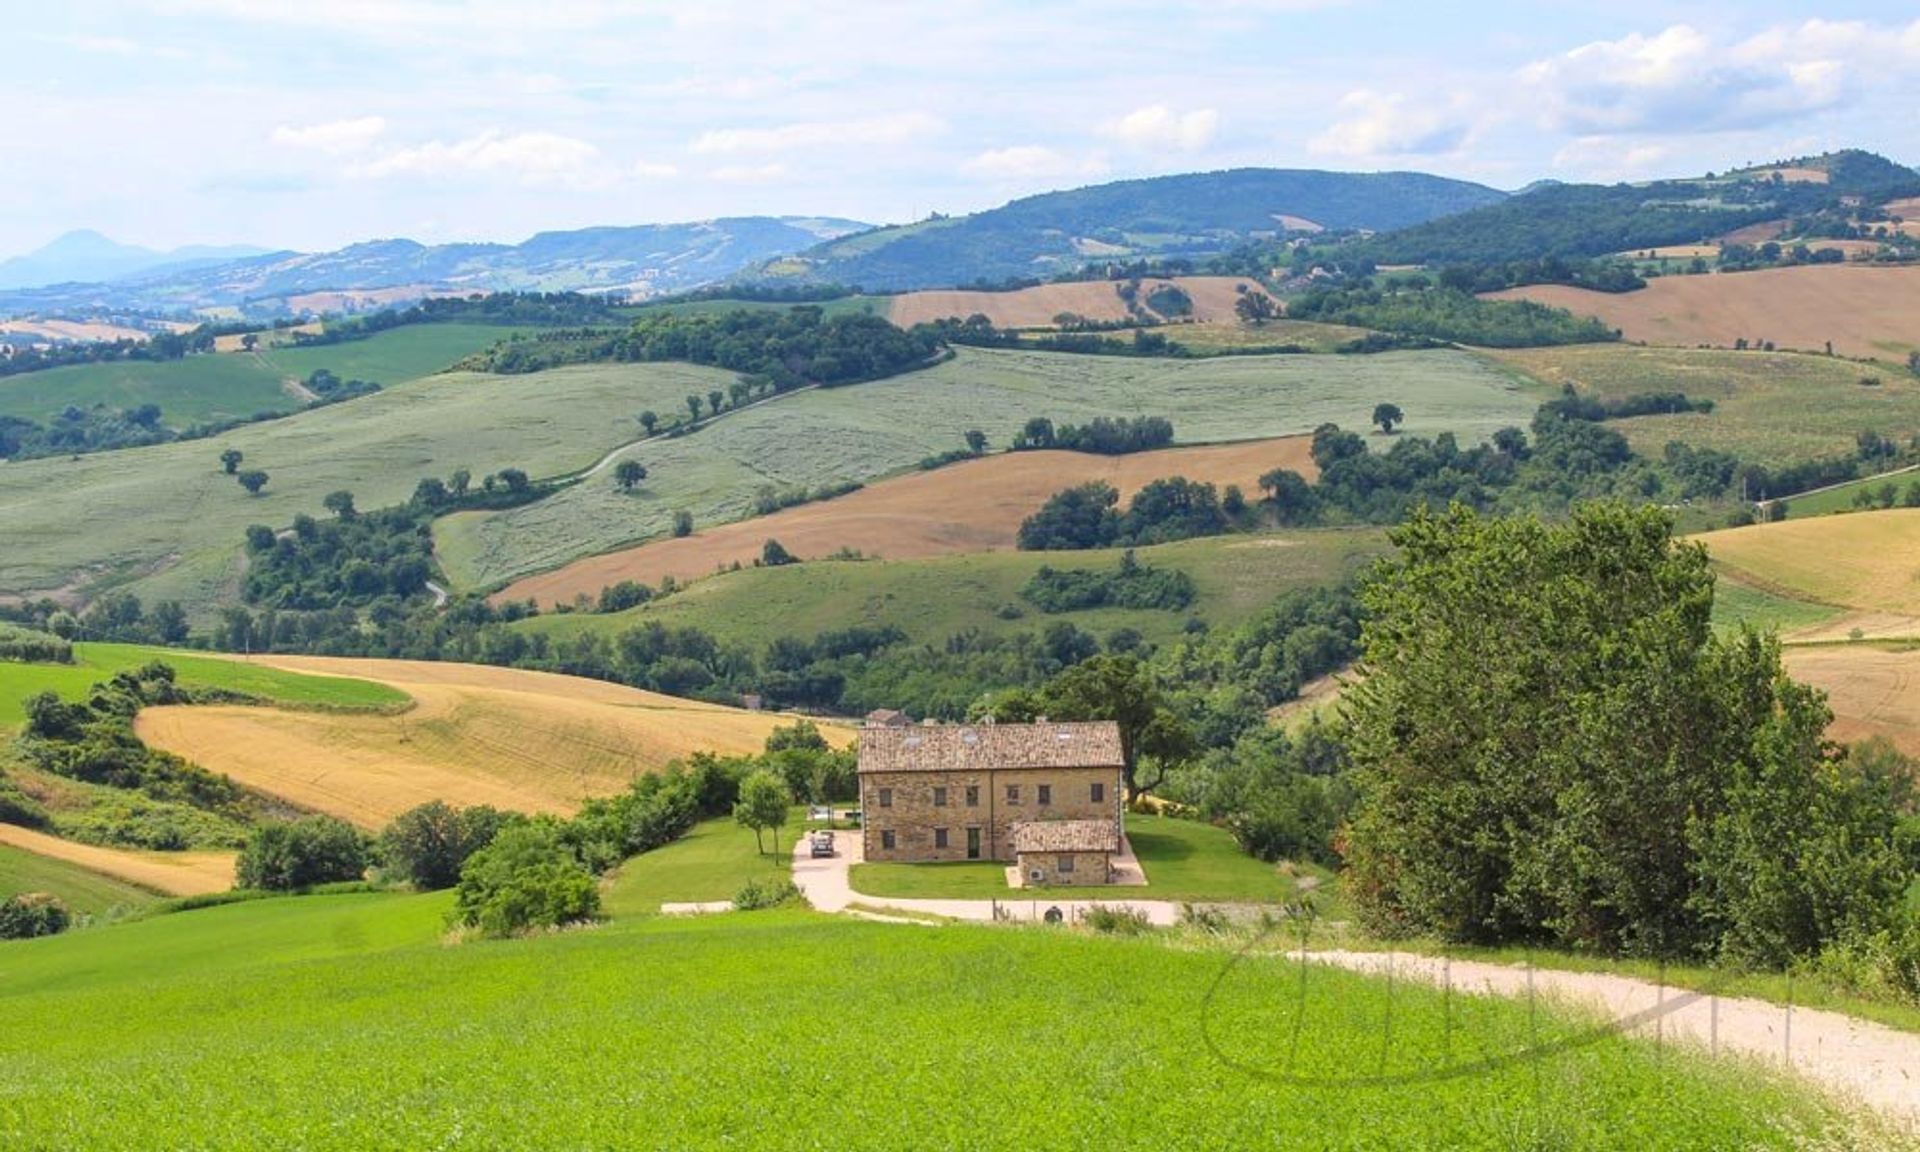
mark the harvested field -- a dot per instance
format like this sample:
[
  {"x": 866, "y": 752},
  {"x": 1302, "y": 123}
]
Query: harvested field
[
  {"x": 1864, "y": 312},
  {"x": 1213, "y": 300},
  {"x": 525, "y": 741},
  {"x": 1866, "y": 561},
  {"x": 973, "y": 506},
  {"x": 1756, "y": 233},
  {"x": 169, "y": 873},
  {"x": 1873, "y": 691}
]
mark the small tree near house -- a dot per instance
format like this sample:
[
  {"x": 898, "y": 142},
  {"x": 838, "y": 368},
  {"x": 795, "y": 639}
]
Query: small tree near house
[
  {"x": 628, "y": 473},
  {"x": 762, "y": 806},
  {"x": 1386, "y": 416}
]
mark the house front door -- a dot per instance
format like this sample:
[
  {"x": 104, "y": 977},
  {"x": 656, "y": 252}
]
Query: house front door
[{"x": 973, "y": 843}]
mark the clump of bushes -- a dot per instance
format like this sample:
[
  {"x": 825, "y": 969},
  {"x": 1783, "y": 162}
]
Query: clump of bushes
[
  {"x": 430, "y": 844},
  {"x": 31, "y": 914},
  {"x": 528, "y": 878},
  {"x": 765, "y": 892},
  {"x": 1116, "y": 921},
  {"x": 1131, "y": 585},
  {"x": 290, "y": 857},
  {"x": 29, "y": 646}
]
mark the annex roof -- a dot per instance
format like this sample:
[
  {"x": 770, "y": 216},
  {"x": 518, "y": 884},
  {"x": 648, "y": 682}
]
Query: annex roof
[
  {"x": 985, "y": 747},
  {"x": 1066, "y": 836}
]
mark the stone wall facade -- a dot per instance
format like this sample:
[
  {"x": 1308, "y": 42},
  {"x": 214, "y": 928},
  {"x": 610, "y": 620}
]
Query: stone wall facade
[
  {"x": 914, "y": 806},
  {"x": 1040, "y": 869}
]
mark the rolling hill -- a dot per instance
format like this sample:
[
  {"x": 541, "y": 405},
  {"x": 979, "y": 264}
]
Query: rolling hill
[{"x": 1188, "y": 215}]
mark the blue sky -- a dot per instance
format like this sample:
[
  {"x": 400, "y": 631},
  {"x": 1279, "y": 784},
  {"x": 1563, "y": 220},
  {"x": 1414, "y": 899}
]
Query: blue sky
[{"x": 313, "y": 124}]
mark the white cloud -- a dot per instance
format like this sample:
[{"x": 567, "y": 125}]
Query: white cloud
[
  {"x": 748, "y": 173},
  {"x": 895, "y": 129},
  {"x": 1031, "y": 162},
  {"x": 1683, "y": 80},
  {"x": 335, "y": 137},
  {"x": 1159, "y": 128},
  {"x": 1380, "y": 124},
  {"x": 648, "y": 170},
  {"x": 535, "y": 157}
]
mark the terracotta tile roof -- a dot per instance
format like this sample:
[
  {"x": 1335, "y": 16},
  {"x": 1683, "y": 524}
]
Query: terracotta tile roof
[
  {"x": 983, "y": 747},
  {"x": 1066, "y": 836}
]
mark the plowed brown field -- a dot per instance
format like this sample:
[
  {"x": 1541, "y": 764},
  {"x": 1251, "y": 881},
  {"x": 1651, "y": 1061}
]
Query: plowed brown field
[
  {"x": 1213, "y": 300},
  {"x": 525, "y": 741},
  {"x": 974, "y": 506}
]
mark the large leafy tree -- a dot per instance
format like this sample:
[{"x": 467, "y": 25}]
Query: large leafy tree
[{"x": 1551, "y": 743}]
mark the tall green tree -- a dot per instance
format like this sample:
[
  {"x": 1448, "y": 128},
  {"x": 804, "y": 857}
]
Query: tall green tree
[{"x": 1552, "y": 744}]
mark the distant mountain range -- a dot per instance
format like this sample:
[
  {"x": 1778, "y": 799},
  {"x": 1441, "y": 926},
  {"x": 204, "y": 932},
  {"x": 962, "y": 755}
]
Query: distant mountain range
[
  {"x": 1198, "y": 214},
  {"x": 88, "y": 257},
  {"x": 645, "y": 260}
]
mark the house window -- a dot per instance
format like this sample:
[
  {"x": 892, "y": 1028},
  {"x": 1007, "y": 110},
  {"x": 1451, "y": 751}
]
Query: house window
[
  {"x": 1066, "y": 862},
  {"x": 886, "y": 798},
  {"x": 939, "y": 837},
  {"x": 1013, "y": 793},
  {"x": 939, "y": 797},
  {"x": 886, "y": 839},
  {"x": 1046, "y": 793},
  {"x": 1099, "y": 793},
  {"x": 973, "y": 796}
]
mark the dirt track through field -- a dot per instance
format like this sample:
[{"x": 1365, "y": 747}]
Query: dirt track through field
[
  {"x": 525, "y": 741},
  {"x": 1854, "y": 1059},
  {"x": 1213, "y": 297},
  {"x": 973, "y": 506},
  {"x": 1867, "y": 312},
  {"x": 168, "y": 873}
]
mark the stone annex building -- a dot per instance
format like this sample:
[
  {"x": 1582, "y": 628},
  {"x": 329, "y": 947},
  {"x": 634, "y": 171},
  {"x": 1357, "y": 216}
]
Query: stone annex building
[{"x": 1046, "y": 796}]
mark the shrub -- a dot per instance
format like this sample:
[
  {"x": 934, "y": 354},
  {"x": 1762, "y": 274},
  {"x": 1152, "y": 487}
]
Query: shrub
[
  {"x": 765, "y": 892},
  {"x": 526, "y": 879},
  {"x": 316, "y": 850},
  {"x": 31, "y": 914},
  {"x": 429, "y": 844},
  {"x": 1884, "y": 965},
  {"x": 27, "y": 645},
  {"x": 1204, "y": 917},
  {"x": 1120, "y": 921}
]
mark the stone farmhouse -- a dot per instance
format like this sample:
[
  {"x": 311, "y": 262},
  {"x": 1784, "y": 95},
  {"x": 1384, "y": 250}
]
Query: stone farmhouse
[{"x": 1046, "y": 796}]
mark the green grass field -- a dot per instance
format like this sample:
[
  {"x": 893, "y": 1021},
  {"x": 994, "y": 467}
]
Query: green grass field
[
  {"x": 167, "y": 523},
  {"x": 1736, "y": 603},
  {"x": 710, "y": 863},
  {"x": 93, "y": 663},
  {"x": 345, "y": 1022},
  {"x": 1233, "y": 337},
  {"x": 197, "y": 390},
  {"x": 1775, "y": 408},
  {"x": 932, "y": 599},
  {"x": 1184, "y": 860},
  {"x": 391, "y": 357},
  {"x": 85, "y": 893},
  {"x": 870, "y": 430},
  {"x": 843, "y": 306},
  {"x": 1840, "y": 498}
]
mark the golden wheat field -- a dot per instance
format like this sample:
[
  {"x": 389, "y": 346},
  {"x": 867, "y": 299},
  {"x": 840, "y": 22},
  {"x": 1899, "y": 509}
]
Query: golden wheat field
[
  {"x": 519, "y": 740},
  {"x": 1866, "y": 312},
  {"x": 973, "y": 506},
  {"x": 168, "y": 873},
  {"x": 1873, "y": 691},
  {"x": 1099, "y": 300},
  {"x": 1869, "y": 561}
]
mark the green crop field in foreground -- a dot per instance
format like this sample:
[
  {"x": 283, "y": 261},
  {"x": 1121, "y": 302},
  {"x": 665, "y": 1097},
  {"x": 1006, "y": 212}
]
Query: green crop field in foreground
[
  {"x": 197, "y": 390},
  {"x": 869, "y": 430},
  {"x": 165, "y": 521},
  {"x": 83, "y": 892},
  {"x": 932, "y": 599},
  {"x": 1775, "y": 408},
  {"x": 346, "y": 1022},
  {"x": 93, "y": 663}
]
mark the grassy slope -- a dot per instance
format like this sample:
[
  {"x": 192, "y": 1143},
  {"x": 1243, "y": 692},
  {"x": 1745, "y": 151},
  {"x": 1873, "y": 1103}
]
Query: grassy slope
[
  {"x": 861, "y": 432},
  {"x": 96, "y": 662},
  {"x": 1183, "y": 860},
  {"x": 221, "y": 386},
  {"x": 1772, "y": 407},
  {"x": 1863, "y": 560},
  {"x": 932, "y": 599},
  {"x": 709, "y": 863},
  {"x": 1840, "y": 497},
  {"x": 166, "y": 521},
  {"x": 344, "y": 1022},
  {"x": 83, "y": 891}
]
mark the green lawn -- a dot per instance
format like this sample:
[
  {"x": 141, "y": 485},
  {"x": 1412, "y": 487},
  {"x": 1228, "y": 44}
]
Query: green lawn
[
  {"x": 1184, "y": 860},
  {"x": 346, "y": 1022},
  {"x": 1776, "y": 408},
  {"x": 196, "y": 390},
  {"x": 165, "y": 522},
  {"x": 707, "y": 864},
  {"x": 1838, "y": 500},
  {"x": 84, "y": 892},
  {"x": 932, "y": 599},
  {"x": 1735, "y": 603},
  {"x": 866, "y": 431},
  {"x": 93, "y": 663}
]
